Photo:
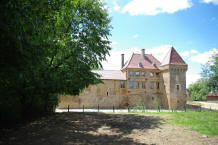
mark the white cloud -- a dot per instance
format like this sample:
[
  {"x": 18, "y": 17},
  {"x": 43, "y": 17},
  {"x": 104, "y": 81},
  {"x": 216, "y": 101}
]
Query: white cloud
[
  {"x": 154, "y": 7},
  {"x": 159, "y": 52},
  {"x": 203, "y": 57},
  {"x": 114, "y": 60},
  {"x": 135, "y": 36},
  {"x": 113, "y": 43},
  {"x": 211, "y": 1},
  {"x": 116, "y": 6},
  {"x": 191, "y": 77},
  {"x": 188, "y": 53}
]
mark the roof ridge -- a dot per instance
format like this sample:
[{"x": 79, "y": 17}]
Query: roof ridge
[{"x": 172, "y": 57}]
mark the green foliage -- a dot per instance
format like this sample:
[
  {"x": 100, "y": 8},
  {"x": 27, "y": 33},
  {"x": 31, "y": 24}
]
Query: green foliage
[
  {"x": 199, "y": 90},
  {"x": 209, "y": 82},
  {"x": 48, "y": 48},
  {"x": 205, "y": 122},
  {"x": 210, "y": 72}
]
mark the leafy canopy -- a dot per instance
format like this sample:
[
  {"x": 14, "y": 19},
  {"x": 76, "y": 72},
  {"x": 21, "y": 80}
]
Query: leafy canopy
[
  {"x": 209, "y": 81},
  {"x": 49, "y": 47}
]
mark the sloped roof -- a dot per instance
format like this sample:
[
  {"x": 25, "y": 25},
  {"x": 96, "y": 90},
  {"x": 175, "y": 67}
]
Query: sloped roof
[
  {"x": 110, "y": 74},
  {"x": 172, "y": 57},
  {"x": 138, "y": 61}
]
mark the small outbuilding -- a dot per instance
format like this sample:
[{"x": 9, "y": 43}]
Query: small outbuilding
[{"x": 212, "y": 96}]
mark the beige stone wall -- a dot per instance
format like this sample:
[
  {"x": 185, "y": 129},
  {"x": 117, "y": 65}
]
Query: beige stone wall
[
  {"x": 174, "y": 75},
  {"x": 111, "y": 94}
]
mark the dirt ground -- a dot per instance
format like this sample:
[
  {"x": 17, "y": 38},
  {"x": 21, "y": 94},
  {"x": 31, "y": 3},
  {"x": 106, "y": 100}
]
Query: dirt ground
[{"x": 102, "y": 129}]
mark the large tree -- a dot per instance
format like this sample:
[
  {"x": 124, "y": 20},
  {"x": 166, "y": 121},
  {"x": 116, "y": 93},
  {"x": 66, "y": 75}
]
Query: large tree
[
  {"x": 210, "y": 72},
  {"x": 199, "y": 90},
  {"x": 209, "y": 81},
  {"x": 48, "y": 47}
]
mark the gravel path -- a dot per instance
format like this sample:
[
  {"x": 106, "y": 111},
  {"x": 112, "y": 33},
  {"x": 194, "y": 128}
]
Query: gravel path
[{"x": 102, "y": 129}]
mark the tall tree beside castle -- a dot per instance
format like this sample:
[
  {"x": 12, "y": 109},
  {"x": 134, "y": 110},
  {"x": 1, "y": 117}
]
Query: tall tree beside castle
[
  {"x": 209, "y": 81},
  {"x": 48, "y": 47}
]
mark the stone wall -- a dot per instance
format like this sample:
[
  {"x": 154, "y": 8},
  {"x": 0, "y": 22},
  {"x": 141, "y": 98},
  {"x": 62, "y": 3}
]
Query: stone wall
[{"x": 110, "y": 93}]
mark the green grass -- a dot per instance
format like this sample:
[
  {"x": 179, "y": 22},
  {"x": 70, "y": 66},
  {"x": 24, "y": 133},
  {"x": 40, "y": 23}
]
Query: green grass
[{"x": 202, "y": 122}]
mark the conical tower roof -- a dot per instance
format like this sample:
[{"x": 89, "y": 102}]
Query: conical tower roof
[{"x": 172, "y": 57}]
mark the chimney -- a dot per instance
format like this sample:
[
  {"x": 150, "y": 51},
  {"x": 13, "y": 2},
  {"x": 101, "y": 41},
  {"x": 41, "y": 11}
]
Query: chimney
[
  {"x": 143, "y": 53},
  {"x": 122, "y": 61}
]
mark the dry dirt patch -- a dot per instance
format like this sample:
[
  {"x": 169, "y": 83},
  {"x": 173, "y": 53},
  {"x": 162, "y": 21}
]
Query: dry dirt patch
[{"x": 102, "y": 129}]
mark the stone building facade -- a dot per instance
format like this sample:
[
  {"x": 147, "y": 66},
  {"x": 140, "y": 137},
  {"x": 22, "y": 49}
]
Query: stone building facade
[{"x": 142, "y": 80}]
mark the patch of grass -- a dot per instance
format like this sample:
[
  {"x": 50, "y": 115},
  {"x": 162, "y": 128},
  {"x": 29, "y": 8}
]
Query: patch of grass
[{"x": 202, "y": 122}]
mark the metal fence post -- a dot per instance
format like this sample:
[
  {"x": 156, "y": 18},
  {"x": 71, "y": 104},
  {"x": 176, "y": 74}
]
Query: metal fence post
[
  {"x": 113, "y": 108},
  {"x": 68, "y": 108},
  {"x": 83, "y": 109},
  {"x": 98, "y": 107}
]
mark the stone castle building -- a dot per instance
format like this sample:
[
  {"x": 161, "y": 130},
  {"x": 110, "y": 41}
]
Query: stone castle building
[{"x": 142, "y": 80}]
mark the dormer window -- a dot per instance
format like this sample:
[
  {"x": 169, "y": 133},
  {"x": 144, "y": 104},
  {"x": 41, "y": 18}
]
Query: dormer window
[
  {"x": 153, "y": 64},
  {"x": 140, "y": 64}
]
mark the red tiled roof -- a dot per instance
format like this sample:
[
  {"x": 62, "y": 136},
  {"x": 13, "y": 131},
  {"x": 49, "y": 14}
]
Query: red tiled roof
[
  {"x": 173, "y": 57},
  {"x": 110, "y": 74},
  {"x": 138, "y": 61}
]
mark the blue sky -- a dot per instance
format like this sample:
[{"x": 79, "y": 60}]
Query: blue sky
[{"x": 190, "y": 26}]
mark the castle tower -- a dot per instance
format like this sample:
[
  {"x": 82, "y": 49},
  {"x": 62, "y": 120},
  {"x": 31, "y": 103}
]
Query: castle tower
[{"x": 173, "y": 69}]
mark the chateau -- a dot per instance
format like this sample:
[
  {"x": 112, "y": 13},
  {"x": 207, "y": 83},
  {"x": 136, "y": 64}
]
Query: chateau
[{"x": 142, "y": 80}]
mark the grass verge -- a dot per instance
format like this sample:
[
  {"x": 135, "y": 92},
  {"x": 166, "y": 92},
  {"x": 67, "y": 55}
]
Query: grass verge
[{"x": 202, "y": 122}]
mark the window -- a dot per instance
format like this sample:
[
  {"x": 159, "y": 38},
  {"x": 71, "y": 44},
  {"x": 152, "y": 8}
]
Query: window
[
  {"x": 143, "y": 74},
  {"x": 131, "y": 84},
  {"x": 157, "y": 74},
  {"x": 152, "y": 85},
  {"x": 151, "y": 74},
  {"x": 131, "y": 73},
  {"x": 122, "y": 84},
  {"x": 177, "y": 87},
  {"x": 143, "y": 85},
  {"x": 137, "y": 73},
  {"x": 137, "y": 85},
  {"x": 158, "y": 85}
]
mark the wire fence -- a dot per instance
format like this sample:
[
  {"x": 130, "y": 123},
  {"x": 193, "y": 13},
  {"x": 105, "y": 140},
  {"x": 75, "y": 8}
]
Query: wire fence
[{"x": 137, "y": 108}]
